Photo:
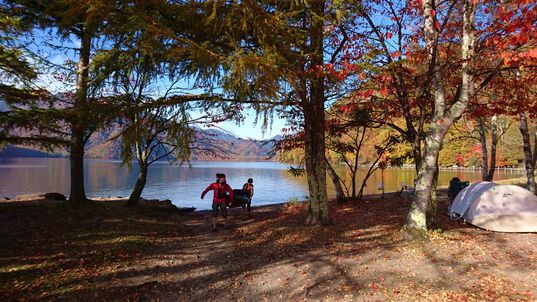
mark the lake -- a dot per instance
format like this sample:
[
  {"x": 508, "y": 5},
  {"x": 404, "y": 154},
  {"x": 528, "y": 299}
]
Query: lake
[{"x": 182, "y": 184}]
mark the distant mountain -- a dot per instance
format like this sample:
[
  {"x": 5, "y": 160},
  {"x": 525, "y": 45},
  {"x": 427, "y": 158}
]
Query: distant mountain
[
  {"x": 99, "y": 145},
  {"x": 215, "y": 144},
  {"x": 209, "y": 144},
  {"x": 17, "y": 151}
]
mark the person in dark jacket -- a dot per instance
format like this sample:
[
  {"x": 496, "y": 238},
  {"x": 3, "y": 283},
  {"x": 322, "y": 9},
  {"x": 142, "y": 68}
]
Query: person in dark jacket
[
  {"x": 248, "y": 189},
  {"x": 220, "y": 189},
  {"x": 455, "y": 187}
]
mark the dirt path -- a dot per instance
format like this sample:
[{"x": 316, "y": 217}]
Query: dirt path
[
  {"x": 105, "y": 252},
  {"x": 270, "y": 256},
  {"x": 208, "y": 266}
]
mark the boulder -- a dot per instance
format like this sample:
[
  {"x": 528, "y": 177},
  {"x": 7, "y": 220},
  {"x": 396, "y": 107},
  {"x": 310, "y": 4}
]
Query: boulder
[
  {"x": 55, "y": 196},
  {"x": 161, "y": 204},
  {"x": 166, "y": 204}
]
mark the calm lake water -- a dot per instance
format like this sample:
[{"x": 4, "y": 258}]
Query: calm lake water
[{"x": 182, "y": 184}]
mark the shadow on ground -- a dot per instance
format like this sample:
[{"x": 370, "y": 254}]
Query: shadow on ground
[{"x": 104, "y": 251}]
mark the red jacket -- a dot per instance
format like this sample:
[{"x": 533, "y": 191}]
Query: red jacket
[{"x": 218, "y": 187}]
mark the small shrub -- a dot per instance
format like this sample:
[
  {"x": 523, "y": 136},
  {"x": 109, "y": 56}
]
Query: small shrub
[{"x": 294, "y": 202}]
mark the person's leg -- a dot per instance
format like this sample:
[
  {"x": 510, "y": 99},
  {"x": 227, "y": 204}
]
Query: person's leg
[
  {"x": 224, "y": 215},
  {"x": 248, "y": 205},
  {"x": 215, "y": 215}
]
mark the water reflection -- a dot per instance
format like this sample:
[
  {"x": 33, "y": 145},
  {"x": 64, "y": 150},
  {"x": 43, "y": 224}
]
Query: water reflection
[{"x": 183, "y": 184}]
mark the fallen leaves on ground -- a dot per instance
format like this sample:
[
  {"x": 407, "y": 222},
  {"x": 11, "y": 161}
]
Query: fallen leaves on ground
[{"x": 106, "y": 252}]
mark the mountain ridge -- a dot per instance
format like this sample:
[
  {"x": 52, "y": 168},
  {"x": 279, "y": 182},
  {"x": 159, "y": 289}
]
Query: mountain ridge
[{"x": 217, "y": 145}]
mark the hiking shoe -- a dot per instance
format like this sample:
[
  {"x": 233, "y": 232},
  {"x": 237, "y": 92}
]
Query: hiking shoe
[{"x": 213, "y": 230}]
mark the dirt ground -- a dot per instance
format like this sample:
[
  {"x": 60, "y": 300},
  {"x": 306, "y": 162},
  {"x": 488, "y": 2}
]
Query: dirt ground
[{"x": 103, "y": 251}]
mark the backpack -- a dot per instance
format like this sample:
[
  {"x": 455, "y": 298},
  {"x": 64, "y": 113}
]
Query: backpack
[{"x": 247, "y": 188}]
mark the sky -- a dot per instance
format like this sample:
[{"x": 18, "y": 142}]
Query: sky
[
  {"x": 247, "y": 129},
  {"x": 3, "y": 106}
]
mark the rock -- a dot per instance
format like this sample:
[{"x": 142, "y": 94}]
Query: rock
[
  {"x": 165, "y": 204},
  {"x": 5, "y": 199},
  {"x": 161, "y": 204},
  {"x": 55, "y": 196}
]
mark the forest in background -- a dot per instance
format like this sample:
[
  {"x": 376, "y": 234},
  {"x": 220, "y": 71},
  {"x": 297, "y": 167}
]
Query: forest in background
[{"x": 461, "y": 148}]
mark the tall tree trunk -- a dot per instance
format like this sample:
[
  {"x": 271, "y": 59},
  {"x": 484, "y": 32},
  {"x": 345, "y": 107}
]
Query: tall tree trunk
[
  {"x": 432, "y": 207},
  {"x": 78, "y": 124},
  {"x": 354, "y": 167},
  {"x": 493, "y": 148},
  {"x": 340, "y": 195},
  {"x": 443, "y": 117},
  {"x": 487, "y": 171},
  {"x": 364, "y": 182},
  {"x": 416, "y": 221},
  {"x": 353, "y": 182},
  {"x": 417, "y": 153},
  {"x": 315, "y": 167},
  {"x": 529, "y": 158},
  {"x": 314, "y": 120},
  {"x": 139, "y": 187},
  {"x": 484, "y": 149}
]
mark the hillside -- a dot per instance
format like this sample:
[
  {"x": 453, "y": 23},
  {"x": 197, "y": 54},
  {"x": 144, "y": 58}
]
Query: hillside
[
  {"x": 209, "y": 145},
  {"x": 215, "y": 144},
  {"x": 18, "y": 151}
]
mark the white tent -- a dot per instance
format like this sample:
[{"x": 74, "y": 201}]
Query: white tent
[{"x": 501, "y": 208}]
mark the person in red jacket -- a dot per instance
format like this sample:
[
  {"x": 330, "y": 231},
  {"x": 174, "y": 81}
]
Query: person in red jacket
[{"x": 220, "y": 188}]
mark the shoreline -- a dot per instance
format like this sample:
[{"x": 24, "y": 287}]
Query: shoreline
[
  {"x": 447, "y": 168},
  {"x": 39, "y": 197}
]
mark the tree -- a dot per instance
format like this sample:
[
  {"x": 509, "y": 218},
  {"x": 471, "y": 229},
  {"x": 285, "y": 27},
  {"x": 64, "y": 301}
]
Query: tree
[
  {"x": 428, "y": 76},
  {"x": 16, "y": 73},
  {"x": 530, "y": 156},
  {"x": 514, "y": 91},
  {"x": 14, "y": 68},
  {"x": 392, "y": 67},
  {"x": 150, "y": 132},
  {"x": 86, "y": 22},
  {"x": 283, "y": 58},
  {"x": 448, "y": 108},
  {"x": 519, "y": 91},
  {"x": 478, "y": 126},
  {"x": 443, "y": 117},
  {"x": 349, "y": 127},
  {"x": 497, "y": 130},
  {"x": 151, "y": 66}
]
